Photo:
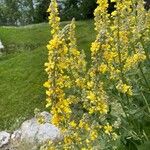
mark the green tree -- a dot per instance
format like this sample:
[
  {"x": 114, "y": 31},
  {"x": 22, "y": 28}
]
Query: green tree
[
  {"x": 27, "y": 10},
  {"x": 41, "y": 14},
  {"x": 81, "y": 9},
  {"x": 9, "y": 12},
  {"x": 87, "y": 8},
  {"x": 16, "y": 12},
  {"x": 3, "y": 19},
  {"x": 71, "y": 10}
]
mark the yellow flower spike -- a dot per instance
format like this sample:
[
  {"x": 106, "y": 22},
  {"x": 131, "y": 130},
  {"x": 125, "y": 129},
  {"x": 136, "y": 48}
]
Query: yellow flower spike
[{"x": 54, "y": 20}]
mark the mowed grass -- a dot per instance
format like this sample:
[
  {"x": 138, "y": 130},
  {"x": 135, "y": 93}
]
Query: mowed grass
[{"x": 22, "y": 69}]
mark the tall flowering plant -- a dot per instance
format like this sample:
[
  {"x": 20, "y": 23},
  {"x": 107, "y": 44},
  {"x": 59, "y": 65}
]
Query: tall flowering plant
[
  {"x": 121, "y": 54},
  {"x": 84, "y": 101}
]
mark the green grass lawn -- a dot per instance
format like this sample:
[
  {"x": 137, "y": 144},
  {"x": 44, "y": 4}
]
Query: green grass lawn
[{"x": 21, "y": 69}]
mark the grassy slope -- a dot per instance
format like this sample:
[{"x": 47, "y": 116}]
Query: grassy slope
[{"x": 22, "y": 73}]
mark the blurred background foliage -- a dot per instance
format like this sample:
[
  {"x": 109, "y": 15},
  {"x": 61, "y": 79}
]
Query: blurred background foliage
[{"x": 23, "y": 12}]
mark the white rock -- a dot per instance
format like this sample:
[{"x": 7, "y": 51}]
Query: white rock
[
  {"x": 1, "y": 45},
  {"x": 33, "y": 132},
  {"x": 4, "y": 138},
  {"x": 47, "y": 132},
  {"x": 16, "y": 136}
]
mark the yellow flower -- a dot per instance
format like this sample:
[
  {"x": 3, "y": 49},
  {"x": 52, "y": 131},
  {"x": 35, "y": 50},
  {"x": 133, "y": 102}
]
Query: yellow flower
[
  {"x": 93, "y": 135},
  {"x": 46, "y": 84},
  {"x": 86, "y": 127},
  {"x": 124, "y": 88},
  {"x": 114, "y": 13},
  {"x": 49, "y": 102},
  {"x": 92, "y": 73},
  {"x": 49, "y": 93},
  {"x": 103, "y": 68},
  {"x": 91, "y": 96},
  {"x": 91, "y": 110},
  {"x": 95, "y": 47},
  {"x": 48, "y": 10},
  {"x": 73, "y": 124},
  {"x": 75, "y": 52},
  {"x": 67, "y": 140},
  {"x": 134, "y": 60},
  {"x": 90, "y": 84},
  {"x": 103, "y": 108},
  {"x": 81, "y": 124},
  {"x": 55, "y": 119},
  {"x": 108, "y": 129},
  {"x": 80, "y": 82}
]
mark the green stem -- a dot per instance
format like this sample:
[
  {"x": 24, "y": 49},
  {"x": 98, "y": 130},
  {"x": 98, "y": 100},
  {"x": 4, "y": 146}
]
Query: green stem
[
  {"x": 146, "y": 102},
  {"x": 143, "y": 75},
  {"x": 127, "y": 99},
  {"x": 146, "y": 51},
  {"x": 124, "y": 109},
  {"x": 146, "y": 137},
  {"x": 118, "y": 48}
]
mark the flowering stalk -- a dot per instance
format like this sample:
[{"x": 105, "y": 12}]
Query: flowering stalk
[{"x": 55, "y": 67}]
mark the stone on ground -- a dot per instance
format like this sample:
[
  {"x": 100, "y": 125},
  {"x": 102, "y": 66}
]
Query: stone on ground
[
  {"x": 31, "y": 134},
  {"x": 4, "y": 138}
]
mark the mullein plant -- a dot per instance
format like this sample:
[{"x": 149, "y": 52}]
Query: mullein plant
[
  {"x": 71, "y": 92},
  {"x": 80, "y": 99},
  {"x": 122, "y": 52}
]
